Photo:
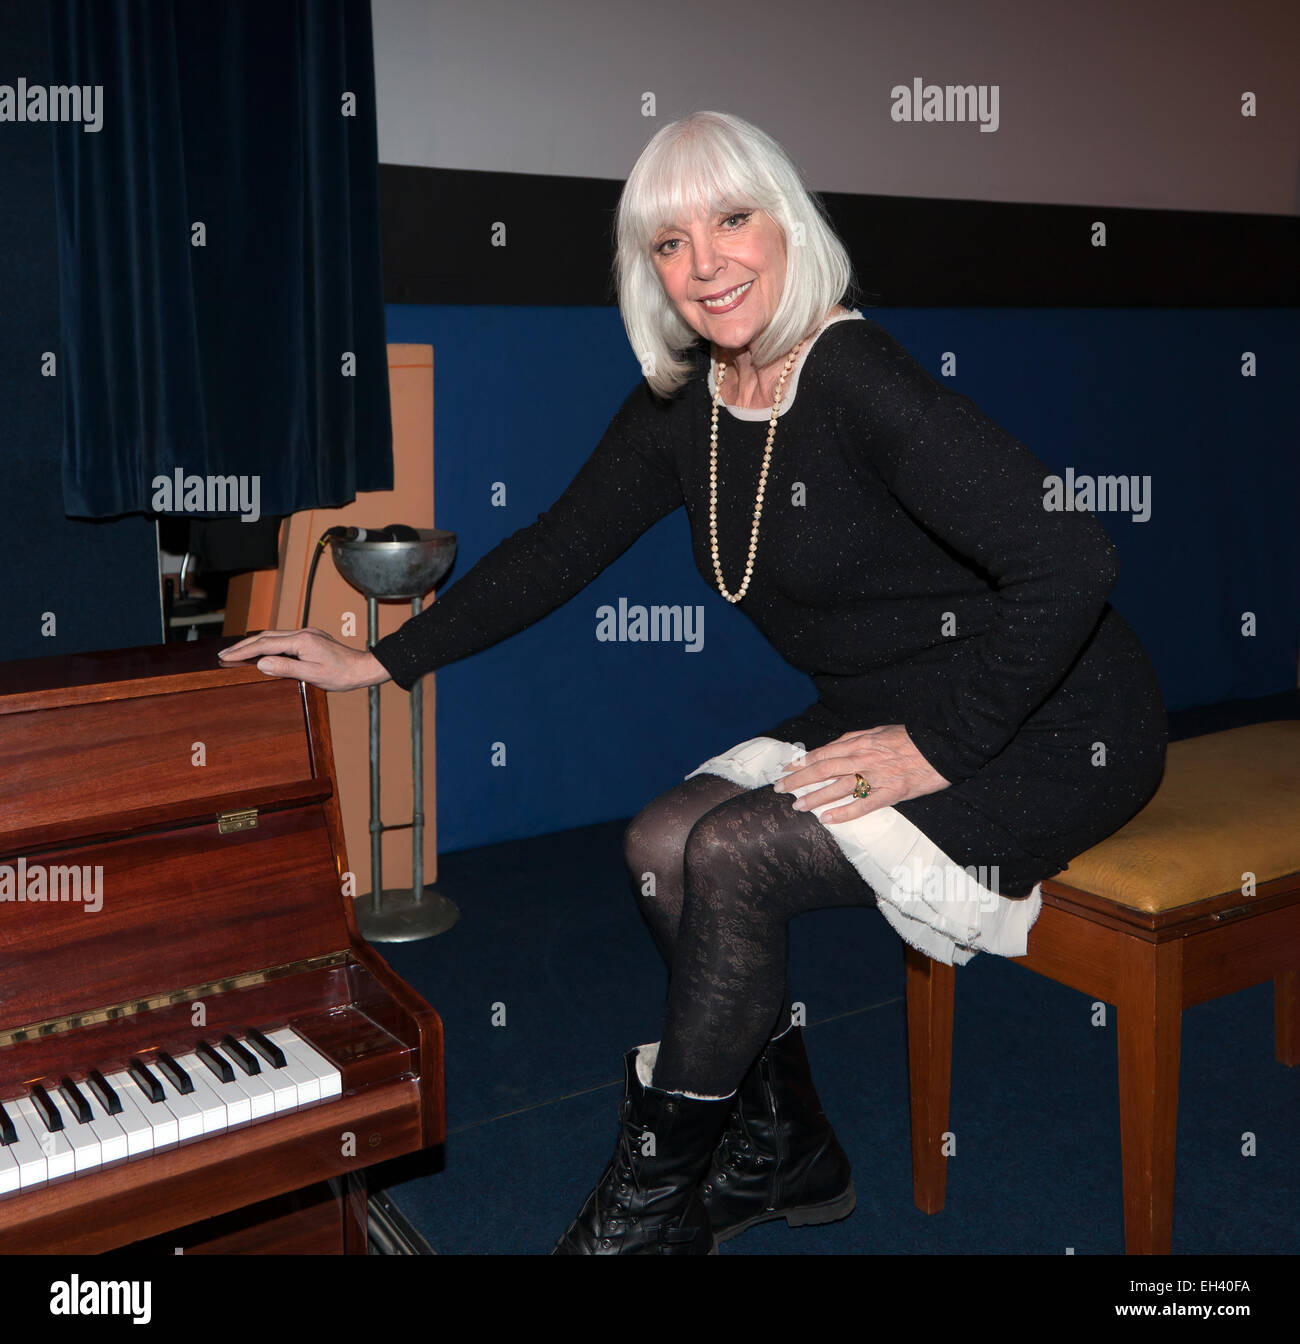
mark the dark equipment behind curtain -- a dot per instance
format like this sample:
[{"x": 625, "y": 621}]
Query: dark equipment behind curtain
[{"x": 219, "y": 253}]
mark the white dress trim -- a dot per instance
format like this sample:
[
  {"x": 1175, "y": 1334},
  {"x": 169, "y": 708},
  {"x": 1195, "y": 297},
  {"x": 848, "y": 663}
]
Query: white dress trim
[
  {"x": 934, "y": 904},
  {"x": 791, "y": 383}
]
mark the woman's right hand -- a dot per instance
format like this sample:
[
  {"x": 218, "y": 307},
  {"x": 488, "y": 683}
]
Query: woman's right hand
[{"x": 314, "y": 657}]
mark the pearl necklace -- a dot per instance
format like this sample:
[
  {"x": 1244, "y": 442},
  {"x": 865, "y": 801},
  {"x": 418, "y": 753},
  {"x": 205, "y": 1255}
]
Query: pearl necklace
[{"x": 719, "y": 373}]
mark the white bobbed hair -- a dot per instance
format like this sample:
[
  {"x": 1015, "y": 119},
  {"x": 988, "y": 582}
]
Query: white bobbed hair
[{"x": 709, "y": 162}]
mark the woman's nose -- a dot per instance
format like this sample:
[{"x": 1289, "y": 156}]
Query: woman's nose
[{"x": 706, "y": 259}]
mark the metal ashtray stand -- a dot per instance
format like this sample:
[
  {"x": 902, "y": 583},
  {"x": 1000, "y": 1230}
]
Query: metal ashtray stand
[{"x": 392, "y": 571}]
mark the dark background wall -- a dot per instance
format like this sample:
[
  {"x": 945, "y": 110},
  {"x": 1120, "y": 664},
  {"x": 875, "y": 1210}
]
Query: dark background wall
[{"x": 99, "y": 579}]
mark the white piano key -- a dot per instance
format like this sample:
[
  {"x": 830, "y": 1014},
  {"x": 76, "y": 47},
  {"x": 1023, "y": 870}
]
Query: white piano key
[
  {"x": 304, "y": 1077},
  {"x": 327, "y": 1079},
  {"x": 58, "y": 1152},
  {"x": 33, "y": 1165},
  {"x": 213, "y": 1109},
  {"x": 139, "y": 1132},
  {"x": 111, "y": 1135},
  {"x": 9, "y": 1176},
  {"x": 163, "y": 1126},
  {"x": 10, "y": 1169},
  {"x": 189, "y": 1118},
  {"x": 239, "y": 1109},
  {"x": 331, "y": 1080},
  {"x": 261, "y": 1096},
  {"x": 284, "y": 1091},
  {"x": 85, "y": 1142}
]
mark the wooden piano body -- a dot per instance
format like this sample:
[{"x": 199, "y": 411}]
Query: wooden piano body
[{"x": 206, "y": 795}]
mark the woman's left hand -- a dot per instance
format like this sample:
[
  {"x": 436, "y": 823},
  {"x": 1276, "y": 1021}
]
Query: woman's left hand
[{"x": 885, "y": 757}]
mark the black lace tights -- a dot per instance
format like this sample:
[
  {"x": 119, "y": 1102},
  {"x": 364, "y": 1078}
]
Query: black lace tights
[{"x": 718, "y": 872}]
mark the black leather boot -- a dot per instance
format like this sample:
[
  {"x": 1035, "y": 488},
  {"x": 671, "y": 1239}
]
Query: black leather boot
[
  {"x": 647, "y": 1202},
  {"x": 778, "y": 1157}
]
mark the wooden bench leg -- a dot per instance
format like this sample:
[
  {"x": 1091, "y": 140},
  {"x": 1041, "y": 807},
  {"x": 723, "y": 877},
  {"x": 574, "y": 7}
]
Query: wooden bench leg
[
  {"x": 1286, "y": 1018},
  {"x": 929, "y": 1064},
  {"x": 1149, "y": 1040}
]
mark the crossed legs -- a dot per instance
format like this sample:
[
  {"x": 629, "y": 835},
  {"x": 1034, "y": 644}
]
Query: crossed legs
[{"x": 719, "y": 871}]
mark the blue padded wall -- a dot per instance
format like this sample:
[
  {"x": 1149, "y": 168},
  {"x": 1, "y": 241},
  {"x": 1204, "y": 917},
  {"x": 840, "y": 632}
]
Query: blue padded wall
[{"x": 592, "y": 731}]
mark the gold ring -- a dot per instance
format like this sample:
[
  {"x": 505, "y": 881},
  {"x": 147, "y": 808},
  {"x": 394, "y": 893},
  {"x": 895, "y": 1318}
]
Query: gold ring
[{"x": 862, "y": 788}]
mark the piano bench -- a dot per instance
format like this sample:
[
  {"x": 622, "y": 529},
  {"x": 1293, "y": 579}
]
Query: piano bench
[{"x": 1196, "y": 897}]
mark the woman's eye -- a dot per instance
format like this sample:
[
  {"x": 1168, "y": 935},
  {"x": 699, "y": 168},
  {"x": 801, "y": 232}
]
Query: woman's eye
[{"x": 741, "y": 215}]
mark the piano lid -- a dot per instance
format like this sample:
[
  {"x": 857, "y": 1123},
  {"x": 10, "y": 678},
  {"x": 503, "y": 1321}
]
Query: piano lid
[{"x": 28, "y": 683}]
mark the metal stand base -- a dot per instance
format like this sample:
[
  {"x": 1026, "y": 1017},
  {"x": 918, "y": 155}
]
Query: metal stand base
[{"x": 402, "y": 918}]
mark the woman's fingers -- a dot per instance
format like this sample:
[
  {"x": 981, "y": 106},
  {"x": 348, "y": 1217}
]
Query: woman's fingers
[
  {"x": 285, "y": 667},
  {"x": 840, "y": 787},
  {"x": 313, "y": 653},
  {"x": 799, "y": 772},
  {"x": 859, "y": 807},
  {"x": 317, "y": 658},
  {"x": 254, "y": 644}
]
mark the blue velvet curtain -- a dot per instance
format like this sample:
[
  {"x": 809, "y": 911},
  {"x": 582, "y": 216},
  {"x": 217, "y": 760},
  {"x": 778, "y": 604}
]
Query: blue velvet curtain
[{"x": 218, "y": 235}]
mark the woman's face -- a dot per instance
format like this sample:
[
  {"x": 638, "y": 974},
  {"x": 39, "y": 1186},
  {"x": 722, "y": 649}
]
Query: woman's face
[{"x": 718, "y": 255}]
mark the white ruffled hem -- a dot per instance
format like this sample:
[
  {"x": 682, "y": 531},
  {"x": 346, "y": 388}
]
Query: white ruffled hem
[{"x": 940, "y": 908}]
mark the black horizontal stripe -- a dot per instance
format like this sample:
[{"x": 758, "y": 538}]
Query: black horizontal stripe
[{"x": 907, "y": 251}]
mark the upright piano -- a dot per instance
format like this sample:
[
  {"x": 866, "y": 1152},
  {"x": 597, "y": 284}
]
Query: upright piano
[{"x": 198, "y": 1051}]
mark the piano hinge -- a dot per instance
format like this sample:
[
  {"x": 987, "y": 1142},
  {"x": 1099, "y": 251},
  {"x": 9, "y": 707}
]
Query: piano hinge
[{"x": 228, "y": 822}]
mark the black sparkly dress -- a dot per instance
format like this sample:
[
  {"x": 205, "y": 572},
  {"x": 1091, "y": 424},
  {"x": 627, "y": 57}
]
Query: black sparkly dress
[{"x": 906, "y": 562}]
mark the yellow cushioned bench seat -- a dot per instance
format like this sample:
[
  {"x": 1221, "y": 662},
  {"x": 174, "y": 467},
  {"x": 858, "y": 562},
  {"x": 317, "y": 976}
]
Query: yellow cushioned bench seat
[{"x": 1229, "y": 804}]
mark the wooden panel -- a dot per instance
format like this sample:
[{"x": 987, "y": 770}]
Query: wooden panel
[
  {"x": 178, "y": 908},
  {"x": 1074, "y": 952},
  {"x": 84, "y": 762},
  {"x": 1237, "y": 955},
  {"x": 305, "y": 1222}
]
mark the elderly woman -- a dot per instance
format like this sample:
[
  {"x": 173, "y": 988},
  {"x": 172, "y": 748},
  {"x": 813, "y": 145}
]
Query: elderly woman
[{"x": 983, "y": 714}]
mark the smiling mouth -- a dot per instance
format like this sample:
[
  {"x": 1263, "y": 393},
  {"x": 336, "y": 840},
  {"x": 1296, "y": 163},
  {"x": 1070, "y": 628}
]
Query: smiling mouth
[{"x": 728, "y": 300}]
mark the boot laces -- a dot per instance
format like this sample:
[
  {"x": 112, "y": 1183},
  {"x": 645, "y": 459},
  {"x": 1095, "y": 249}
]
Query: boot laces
[
  {"x": 733, "y": 1149},
  {"x": 616, "y": 1188}
]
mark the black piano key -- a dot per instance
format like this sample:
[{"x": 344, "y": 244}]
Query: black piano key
[
  {"x": 103, "y": 1089},
  {"x": 269, "y": 1051},
  {"x": 145, "y": 1080},
  {"x": 8, "y": 1134},
  {"x": 49, "y": 1112},
  {"x": 242, "y": 1056},
  {"x": 217, "y": 1063},
  {"x": 76, "y": 1100},
  {"x": 174, "y": 1074}
]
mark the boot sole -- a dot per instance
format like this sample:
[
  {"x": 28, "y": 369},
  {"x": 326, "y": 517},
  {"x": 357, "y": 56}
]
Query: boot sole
[{"x": 806, "y": 1215}]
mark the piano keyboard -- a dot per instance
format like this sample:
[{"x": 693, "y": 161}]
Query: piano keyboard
[{"x": 62, "y": 1128}]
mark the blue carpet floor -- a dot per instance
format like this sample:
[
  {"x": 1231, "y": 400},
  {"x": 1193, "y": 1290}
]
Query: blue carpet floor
[{"x": 550, "y": 937}]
